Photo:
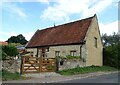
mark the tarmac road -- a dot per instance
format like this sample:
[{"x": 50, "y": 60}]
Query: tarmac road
[{"x": 107, "y": 78}]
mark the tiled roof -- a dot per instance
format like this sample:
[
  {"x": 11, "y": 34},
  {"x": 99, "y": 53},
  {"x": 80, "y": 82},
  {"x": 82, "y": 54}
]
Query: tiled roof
[
  {"x": 3, "y": 43},
  {"x": 69, "y": 33}
]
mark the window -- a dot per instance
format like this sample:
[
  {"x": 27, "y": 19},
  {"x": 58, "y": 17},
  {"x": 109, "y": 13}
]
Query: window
[
  {"x": 47, "y": 49},
  {"x": 57, "y": 53},
  {"x": 95, "y": 41},
  {"x": 73, "y": 53}
]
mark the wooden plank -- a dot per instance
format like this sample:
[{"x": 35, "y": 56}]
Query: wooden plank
[
  {"x": 32, "y": 69},
  {"x": 38, "y": 65}
]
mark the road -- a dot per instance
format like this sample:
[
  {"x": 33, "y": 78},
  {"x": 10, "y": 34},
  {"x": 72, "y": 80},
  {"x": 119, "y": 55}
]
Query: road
[{"x": 107, "y": 78}]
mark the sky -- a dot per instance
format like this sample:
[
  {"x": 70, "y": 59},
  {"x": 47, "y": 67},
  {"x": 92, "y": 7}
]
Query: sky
[{"x": 27, "y": 16}]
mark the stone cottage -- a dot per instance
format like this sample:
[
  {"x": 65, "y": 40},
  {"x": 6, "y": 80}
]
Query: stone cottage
[{"x": 79, "y": 38}]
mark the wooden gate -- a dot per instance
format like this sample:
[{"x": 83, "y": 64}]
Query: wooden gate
[
  {"x": 48, "y": 65},
  {"x": 37, "y": 65}
]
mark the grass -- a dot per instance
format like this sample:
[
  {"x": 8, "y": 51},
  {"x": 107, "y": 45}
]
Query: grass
[
  {"x": 6, "y": 75},
  {"x": 83, "y": 70}
]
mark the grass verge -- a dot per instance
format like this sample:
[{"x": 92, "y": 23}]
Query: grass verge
[
  {"x": 83, "y": 70},
  {"x": 6, "y": 75}
]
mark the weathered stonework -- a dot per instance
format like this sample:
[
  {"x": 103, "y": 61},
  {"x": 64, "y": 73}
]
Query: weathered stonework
[
  {"x": 89, "y": 53},
  {"x": 93, "y": 54},
  {"x": 68, "y": 64},
  {"x": 11, "y": 65},
  {"x": 64, "y": 50},
  {"x": 34, "y": 50}
]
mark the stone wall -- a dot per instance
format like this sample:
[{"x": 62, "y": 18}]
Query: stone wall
[
  {"x": 64, "y": 50},
  {"x": 11, "y": 65},
  {"x": 72, "y": 63},
  {"x": 34, "y": 50},
  {"x": 93, "y": 53}
]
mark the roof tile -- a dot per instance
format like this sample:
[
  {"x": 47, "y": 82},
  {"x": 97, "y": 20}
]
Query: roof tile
[{"x": 69, "y": 33}]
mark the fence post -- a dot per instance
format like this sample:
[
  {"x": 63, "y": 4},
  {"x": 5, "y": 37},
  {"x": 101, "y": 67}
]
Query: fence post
[{"x": 21, "y": 66}]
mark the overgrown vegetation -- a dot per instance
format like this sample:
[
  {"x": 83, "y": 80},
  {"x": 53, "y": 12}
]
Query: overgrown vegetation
[
  {"x": 82, "y": 70},
  {"x": 8, "y": 52},
  {"x": 72, "y": 57},
  {"x": 6, "y": 75},
  {"x": 111, "y": 51}
]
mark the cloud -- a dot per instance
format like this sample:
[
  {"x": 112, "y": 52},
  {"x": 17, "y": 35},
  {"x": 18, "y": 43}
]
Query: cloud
[
  {"x": 108, "y": 28},
  {"x": 97, "y": 7},
  {"x": 28, "y": 35},
  {"x": 42, "y": 1},
  {"x": 14, "y": 9},
  {"x": 5, "y": 35},
  {"x": 56, "y": 16},
  {"x": 63, "y": 9}
]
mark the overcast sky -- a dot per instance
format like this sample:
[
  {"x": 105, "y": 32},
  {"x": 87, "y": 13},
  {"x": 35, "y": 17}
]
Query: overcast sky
[{"x": 26, "y": 16}]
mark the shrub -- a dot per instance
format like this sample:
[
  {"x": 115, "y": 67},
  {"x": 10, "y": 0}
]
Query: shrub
[
  {"x": 10, "y": 50},
  {"x": 111, "y": 55},
  {"x": 72, "y": 57}
]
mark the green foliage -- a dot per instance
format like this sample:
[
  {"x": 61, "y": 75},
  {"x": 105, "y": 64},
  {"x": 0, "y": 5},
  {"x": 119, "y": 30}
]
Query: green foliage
[
  {"x": 72, "y": 57},
  {"x": 111, "y": 39},
  {"x": 111, "y": 51},
  {"x": 50, "y": 67},
  {"x": 10, "y": 50},
  {"x": 15, "y": 44},
  {"x": 17, "y": 39},
  {"x": 6, "y": 75},
  {"x": 3, "y": 55},
  {"x": 82, "y": 70},
  {"x": 111, "y": 55}
]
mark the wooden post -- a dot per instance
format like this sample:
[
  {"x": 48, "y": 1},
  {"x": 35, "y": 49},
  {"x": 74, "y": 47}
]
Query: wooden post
[
  {"x": 22, "y": 65},
  {"x": 57, "y": 63},
  {"x": 39, "y": 65}
]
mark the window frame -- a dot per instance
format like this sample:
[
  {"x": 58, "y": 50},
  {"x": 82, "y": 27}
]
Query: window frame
[
  {"x": 73, "y": 53},
  {"x": 57, "y": 55},
  {"x": 95, "y": 42}
]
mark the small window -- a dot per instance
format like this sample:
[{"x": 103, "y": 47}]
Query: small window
[
  {"x": 73, "y": 53},
  {"x": 95, "y": 41},
  {"x": 47, "y": 49},
  {"x": 57, "y": 53}
]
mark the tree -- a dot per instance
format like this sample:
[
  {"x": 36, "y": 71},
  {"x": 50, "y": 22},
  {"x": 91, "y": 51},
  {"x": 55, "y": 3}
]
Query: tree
[
  {"x": 111, "y": 55},
  {"x": 17, "y": 39},
  {"x": 111, "y": 39},
  {"x": 111, "y": 52},
  {"x": 3, "y": 55},
  {"x": 10, "y": 50}
]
